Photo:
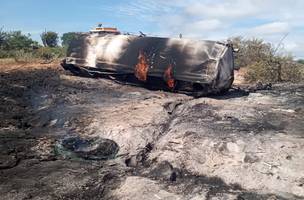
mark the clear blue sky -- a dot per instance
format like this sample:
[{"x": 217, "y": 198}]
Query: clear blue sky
[
  {"x": 205, "y": 19},
  {"x": 34, "y": 16}
]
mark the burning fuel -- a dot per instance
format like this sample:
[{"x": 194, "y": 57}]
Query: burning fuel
[
  {"x": 141, "y": 69},
  {"x": 168, "y": 76}
]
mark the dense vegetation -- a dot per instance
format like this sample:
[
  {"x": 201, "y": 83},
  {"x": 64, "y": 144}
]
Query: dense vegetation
[
  {"x": 49, "y": 39},
  {"x": 15, "y": 44},
  {"x": 261, "y": 60},
  {"x": 67, "y": 38},
  {"x": 12, "y": 43}
]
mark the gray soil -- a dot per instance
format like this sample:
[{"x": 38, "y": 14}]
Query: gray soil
[{"x": 68, "y": 137}]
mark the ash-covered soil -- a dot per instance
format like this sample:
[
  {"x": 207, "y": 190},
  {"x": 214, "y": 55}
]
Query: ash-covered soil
[{"x": 68, "y": 137}]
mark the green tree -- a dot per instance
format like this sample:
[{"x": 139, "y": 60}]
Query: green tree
[
  {"x": 67, "y": 38},
  {"x": 16, "y": 41},
  {"x": 49, "y": 39},
  {"x": 11, "y": 42},
  {"x": 2, "y": 37},
  {"x": 301, "y": 61}
]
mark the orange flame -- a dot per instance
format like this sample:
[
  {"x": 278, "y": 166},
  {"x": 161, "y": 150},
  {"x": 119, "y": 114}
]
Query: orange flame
[
  {"x": 168, "y": 76},
  {"x": 141, "y": 69}
]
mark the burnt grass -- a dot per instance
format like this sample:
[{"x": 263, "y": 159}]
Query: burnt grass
[
  {"x": 186, "y": 182},
  {"x": 24, "y": 126}
]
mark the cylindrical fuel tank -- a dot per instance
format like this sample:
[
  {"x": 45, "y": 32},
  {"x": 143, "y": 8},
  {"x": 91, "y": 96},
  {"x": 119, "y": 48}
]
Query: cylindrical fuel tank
[{"x": 207, "y": 64}]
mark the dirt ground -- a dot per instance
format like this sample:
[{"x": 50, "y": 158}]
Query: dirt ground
[{"x": 68, "y": 137}]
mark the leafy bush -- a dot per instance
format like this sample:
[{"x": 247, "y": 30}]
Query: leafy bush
[
  {"x": 24, "y": 56},
  {"x": 2, "y": 37},
  {"x": 22, "y": 48},
  {"x": 67, "y": 38},
  {"x": 14, "y": 41},
  {"x": 301, "y": 61},
  {"x": 259, "y": 71},
  {"x": 50, "y": 53},
  {"x": 293, "y": 72},
  {"x": 250, "y": 51},
  {"x": 263, "y": 63},
  {"x": 17, "y": 41},
  {"x": 283, "y": 70},
  {"x": 49, "y": 39}
]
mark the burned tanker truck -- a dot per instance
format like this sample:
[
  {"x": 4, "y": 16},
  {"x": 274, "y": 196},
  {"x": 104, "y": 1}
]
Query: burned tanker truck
[{"x": 188, "y": 66}]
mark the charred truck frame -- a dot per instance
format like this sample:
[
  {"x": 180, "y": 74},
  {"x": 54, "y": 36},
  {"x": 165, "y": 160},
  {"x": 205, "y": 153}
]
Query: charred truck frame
[{"x": 182, "y": 65}]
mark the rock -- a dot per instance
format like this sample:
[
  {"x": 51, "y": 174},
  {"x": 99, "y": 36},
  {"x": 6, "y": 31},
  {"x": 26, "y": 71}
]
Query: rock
[
  {"x": 53, "y": 122},
  {"x": 8, "y": 161},
  {"x": 164, "y": 171},
  {"x": 250, "y": 158},
  {"x": 87, "y": 148},
  {"x": 131, "y": 162},
  {"x": 260, "y": 86}
]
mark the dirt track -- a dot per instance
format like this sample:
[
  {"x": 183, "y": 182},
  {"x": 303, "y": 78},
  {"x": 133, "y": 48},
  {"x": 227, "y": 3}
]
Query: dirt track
[{"x": 169, "y": 146}]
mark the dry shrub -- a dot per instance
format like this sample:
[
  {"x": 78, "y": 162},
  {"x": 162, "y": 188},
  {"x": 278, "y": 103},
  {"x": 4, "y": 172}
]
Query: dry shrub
[
  {"x": 259, "y": 71},
  {"x": 263, "y": 63},
  {"x": 275, "y": 71},
  {"x": 293, "y": 72},
  {"x": 50, "y": 53},
  {"x": 24, "y": 56}
]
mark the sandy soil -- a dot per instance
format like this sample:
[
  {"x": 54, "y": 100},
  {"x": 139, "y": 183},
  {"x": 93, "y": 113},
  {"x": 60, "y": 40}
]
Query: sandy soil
[{"x": 68, "y": 137}]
